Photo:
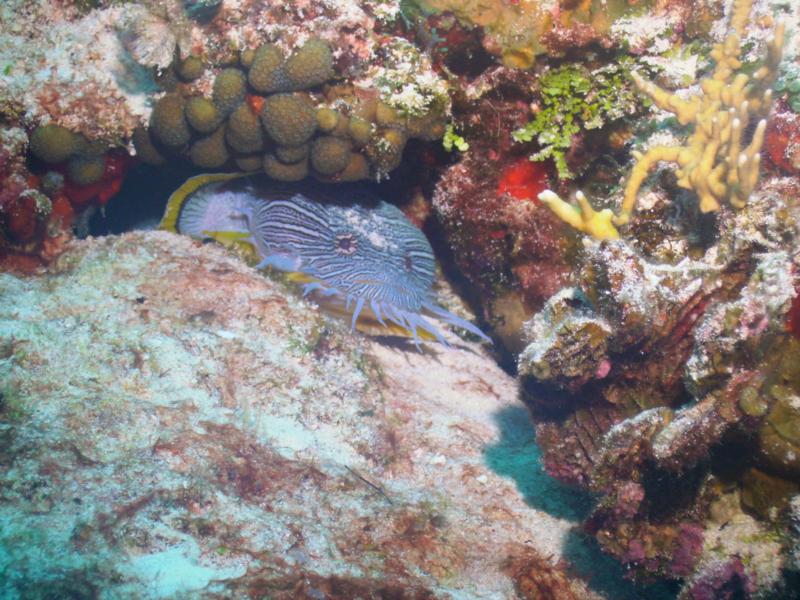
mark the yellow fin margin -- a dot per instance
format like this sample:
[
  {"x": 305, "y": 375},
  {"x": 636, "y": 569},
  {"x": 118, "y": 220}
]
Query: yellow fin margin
[{"x": 169, "y": 222}]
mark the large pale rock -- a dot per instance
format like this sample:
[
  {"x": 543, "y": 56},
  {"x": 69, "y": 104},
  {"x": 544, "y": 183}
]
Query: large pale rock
[{"x": 173, "y": 423}]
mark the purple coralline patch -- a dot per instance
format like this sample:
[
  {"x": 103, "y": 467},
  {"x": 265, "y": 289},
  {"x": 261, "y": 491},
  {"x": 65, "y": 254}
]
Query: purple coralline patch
[
  {"x": 690, "y": 544},
  {"x": 724, "y": 582}
]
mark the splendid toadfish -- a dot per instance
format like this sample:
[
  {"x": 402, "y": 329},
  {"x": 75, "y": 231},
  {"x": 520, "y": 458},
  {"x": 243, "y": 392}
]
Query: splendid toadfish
[{"x": 355, "y": 253}]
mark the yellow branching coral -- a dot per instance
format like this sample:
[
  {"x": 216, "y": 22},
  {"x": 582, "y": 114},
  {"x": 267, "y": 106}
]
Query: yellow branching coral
[
  {"x": 595, "y": 223},
  {"x": 718, "y": 162}
]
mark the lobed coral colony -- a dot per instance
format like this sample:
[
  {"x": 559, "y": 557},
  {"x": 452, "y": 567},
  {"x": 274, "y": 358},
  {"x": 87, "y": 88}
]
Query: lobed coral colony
[
  {"x": 372, "y": 149},
  {"x": 264, "y": 114}
]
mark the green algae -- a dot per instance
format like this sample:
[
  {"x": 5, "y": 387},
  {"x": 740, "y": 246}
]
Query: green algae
[
  {"x": 453, "y": 140},
  {"x": 788, "y": 83},
  {"x": 574, "y": 100}
]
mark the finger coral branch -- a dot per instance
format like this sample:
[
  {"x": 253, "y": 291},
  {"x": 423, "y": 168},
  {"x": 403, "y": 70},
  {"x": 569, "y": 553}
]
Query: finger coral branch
[
  {"x": 684, "y": 110},
  {"x": 741, "y": 10},
  {"x": 639, "y": 173},
  {"x": 598, "y": 224}
]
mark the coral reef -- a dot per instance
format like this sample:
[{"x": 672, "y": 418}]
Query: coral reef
[
  {"x": 718, "y": 162},
  {"x": 681, "y": 378},
  {"x": 53, "y": 143},
  {"x": 260, "y": 449},
  {"x": 491, "y": 234},
  {"x": 573, "y": 117},
  {"x": 202, "y": 115},
  {"x": 510, "y": 247},
  {"x": 519, "y": 31},
  {"x": 236, "y": 442},
  {"x": 397, "y": 99},
  {"x": 665, "y": 381},
  {"x": 89, "y": 86},
  {"x": 782, "y": 140},
  {"x": 575, "y": 101}
]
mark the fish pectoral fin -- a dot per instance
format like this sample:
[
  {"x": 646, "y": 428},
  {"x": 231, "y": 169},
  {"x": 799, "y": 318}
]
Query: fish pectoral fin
[{"x": 169, "y": 222}]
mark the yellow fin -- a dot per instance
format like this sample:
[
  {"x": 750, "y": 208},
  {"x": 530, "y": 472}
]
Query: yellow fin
[
  {"x": 169, "y": 222},
  {"x": 367, "y": 322},
  {"x": 374, "y": 328},
  {"x": 228, "y": 238},
  {"x": 298, "y": 277}
]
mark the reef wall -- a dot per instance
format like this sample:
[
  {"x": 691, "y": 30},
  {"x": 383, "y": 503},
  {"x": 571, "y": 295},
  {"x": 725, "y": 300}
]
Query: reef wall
[{"x": 614, "y": 184}]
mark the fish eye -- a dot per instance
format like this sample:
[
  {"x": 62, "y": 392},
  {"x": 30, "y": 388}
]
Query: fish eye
[{"x": 346, "y": 244}]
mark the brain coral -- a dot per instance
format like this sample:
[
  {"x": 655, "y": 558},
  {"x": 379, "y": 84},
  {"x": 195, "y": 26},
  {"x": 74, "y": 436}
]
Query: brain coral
[
  {"x": 146, "y": 149},
  {"x": 310, "y": 66},
  {"x": 202, "y": 114},
  {"x": 210, "y": 152},
  {"x": 229, "y": 89},
  {"x": 328, "y": 118},
  {"x": 275, "y": 169},
  {"x": 244, "y": 130},
  {"x": 288, "y": 119},
  {"x": 329, "y": 154},
  {"x": 277, "y": 113},
  {"x": 357, "y": 168},
  {"x": 168, "y": 122},
  {"x": 190, "y": 69},
  {"x": 53, "y": 143},
  {"x": 86, "y": 169},
  {"x": 266, "y": 71},
  {"x": 291, "y": 154},
  {"x": 249, "y": 163}
]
